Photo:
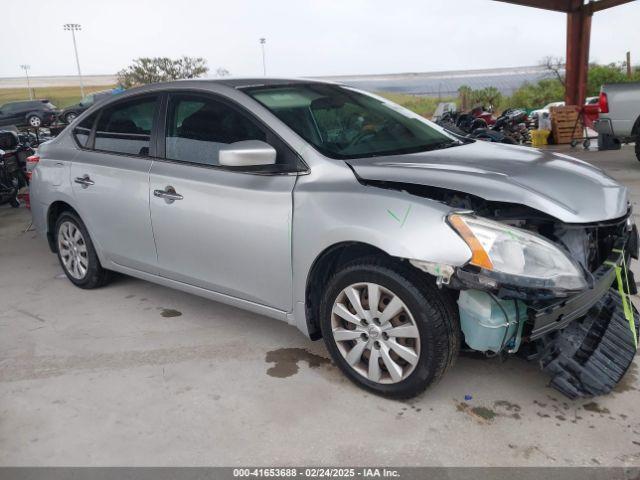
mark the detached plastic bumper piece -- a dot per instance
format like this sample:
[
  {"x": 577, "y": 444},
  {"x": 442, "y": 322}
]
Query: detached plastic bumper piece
[{"x": 591, "y": 355}]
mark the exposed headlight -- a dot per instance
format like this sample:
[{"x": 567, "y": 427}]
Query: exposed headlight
[{"x": 516, "y": 256}]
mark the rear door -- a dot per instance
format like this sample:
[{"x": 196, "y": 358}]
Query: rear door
[
  {"x": 11, "y": 113},
  {"x": 228, "y": 230},
  {"x": 110, "y": 178}
]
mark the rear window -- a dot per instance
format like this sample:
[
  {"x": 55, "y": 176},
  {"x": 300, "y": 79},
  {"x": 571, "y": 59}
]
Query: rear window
[
  {"x": 126, "y": 127},
  {"x": 83, "y": 131}
]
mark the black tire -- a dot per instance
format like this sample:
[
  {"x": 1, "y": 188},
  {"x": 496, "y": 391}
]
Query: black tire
[
  {"x": 638, "y": 147},
  {"x": 433, "y": 310},
  {"x": 34, "y": 121},
  {"x": 14, "y": 202},
  {"x": 95, "y": 276},
  {"x": 70, "y": 117}
]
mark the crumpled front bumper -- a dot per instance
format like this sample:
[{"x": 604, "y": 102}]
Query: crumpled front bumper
[
  {"x": 549, "y": 315},
  {"x": 591, "y": 355}
]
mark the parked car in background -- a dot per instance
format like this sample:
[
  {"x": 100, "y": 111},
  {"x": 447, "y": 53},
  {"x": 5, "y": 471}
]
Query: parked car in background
[
  {"x": 546, "y": 109},
  {"x": 619, "y": 117},
  {"x": 70, "y": 113},
  {"x": 30, "y": 113},
  {"x": 352, "y": 218}
]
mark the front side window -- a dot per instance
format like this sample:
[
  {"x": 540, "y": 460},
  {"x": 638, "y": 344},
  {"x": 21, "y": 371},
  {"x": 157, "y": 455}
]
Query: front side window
[
  {"x": 198, "y": 127},
  {"x": 344, "y": 123},
  {"x": 126, "y": 127}
]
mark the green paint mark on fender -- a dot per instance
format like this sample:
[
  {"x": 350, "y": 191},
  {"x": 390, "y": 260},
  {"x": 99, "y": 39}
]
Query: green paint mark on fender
[{"x": 397, "y": 218}]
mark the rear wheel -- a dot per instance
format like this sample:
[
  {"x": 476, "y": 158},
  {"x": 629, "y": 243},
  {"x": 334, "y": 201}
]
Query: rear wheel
[
  {"x": 638, "y": 146},
  {"x": 34, "y": 121},
  {"x": 388, "y": 328},
  {"x": 76, "y": 253}
]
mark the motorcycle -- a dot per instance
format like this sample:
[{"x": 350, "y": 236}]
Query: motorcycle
[
  {"x": 510, "y": 127},
  {"x": 9, "y": 179}
]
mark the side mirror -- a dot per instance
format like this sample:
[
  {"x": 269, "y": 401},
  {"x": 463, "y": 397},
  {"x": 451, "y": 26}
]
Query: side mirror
[{"x": 247, "y": 153}]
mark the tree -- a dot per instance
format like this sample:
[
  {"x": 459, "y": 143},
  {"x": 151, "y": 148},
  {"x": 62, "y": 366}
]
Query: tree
[
  {"x": 536, "y": 95},
  {"x": 147, "y": 70},
  {"x": 612, "y": 73},
  {"x": 555, "y": 65},
  {"x": 489, "y": 96},
  {"x": 222, "y": 72}
]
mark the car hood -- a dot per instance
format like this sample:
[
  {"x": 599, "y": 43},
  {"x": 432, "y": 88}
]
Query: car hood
[{"x": 564, "y": 187}]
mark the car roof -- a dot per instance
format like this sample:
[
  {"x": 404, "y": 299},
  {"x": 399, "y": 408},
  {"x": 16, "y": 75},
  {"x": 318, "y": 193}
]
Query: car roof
[
  {"x": 237, "y": 83},
  {"x": 260, "y": 81}
]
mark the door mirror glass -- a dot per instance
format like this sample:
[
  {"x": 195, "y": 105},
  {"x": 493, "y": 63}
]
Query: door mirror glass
[{"x": 247, "y": 153}]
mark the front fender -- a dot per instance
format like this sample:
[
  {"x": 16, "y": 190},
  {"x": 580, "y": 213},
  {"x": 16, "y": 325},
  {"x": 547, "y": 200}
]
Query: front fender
[{"x": 400, "y": 224}]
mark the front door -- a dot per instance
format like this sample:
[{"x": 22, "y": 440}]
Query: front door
[
  {"x": 110, "y": 179},
  {"x": 221, "y": 229}
]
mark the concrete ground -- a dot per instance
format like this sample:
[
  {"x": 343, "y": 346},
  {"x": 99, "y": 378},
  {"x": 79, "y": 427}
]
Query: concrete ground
[{"x": 137, "y": 374}]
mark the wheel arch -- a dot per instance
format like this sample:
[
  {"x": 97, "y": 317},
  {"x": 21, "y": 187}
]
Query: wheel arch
[
  {"x": 54, "y": 211},
  {"x": 635, "y": 130},
  {"x": 33, "y": 113},
  {"x": 327, "y": 262}
]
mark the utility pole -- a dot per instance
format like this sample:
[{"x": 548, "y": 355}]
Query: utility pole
[
  {"x": 628, "y": 64},
  {"x": 74, "y": 27},
  {"x": 264, "y": 62},
  {"x": 26, "y": 68}
]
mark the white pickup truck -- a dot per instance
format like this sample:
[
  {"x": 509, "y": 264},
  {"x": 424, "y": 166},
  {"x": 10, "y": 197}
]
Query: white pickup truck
[{"x": 620, "y": 113}]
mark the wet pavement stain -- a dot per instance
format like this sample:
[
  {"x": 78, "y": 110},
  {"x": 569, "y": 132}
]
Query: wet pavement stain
[
  {"x": 484, "y": 412},
  {"x": 512, "y": 409},
  {"x": 286, "y": 361},
  {"x": 170, "y": 312},
  {"x": 595, "y": 408}
]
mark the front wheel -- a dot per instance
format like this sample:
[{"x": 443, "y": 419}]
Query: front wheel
[
  {"x": 388, "y": 328},
  {"x": 77, "y": 254},
  {"x": 70, "y": 117},
  {"x": 638, "y": 147}
]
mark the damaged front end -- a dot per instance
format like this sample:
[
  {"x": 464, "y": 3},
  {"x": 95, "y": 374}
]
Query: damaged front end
[
  {"x": 560, "y": 290},
  {"x": 547, "y": 290}
]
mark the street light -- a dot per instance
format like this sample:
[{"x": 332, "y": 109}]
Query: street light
[
  {"x": 26, "y": 72},
  {"x": 264, "y": 63},
  {"x": 74, "y": 27}
]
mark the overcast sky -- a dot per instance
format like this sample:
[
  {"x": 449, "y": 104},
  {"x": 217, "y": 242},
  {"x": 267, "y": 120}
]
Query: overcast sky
[{"x": 323, "y": 37}]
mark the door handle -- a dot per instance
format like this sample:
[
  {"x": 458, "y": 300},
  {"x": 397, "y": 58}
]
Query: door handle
[
  {"x": 169, "y": 194},
  {"x": 84, "y": 180}
]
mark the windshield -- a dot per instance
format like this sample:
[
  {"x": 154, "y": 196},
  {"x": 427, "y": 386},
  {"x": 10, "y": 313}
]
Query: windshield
[{"x": 344, "y": 123}]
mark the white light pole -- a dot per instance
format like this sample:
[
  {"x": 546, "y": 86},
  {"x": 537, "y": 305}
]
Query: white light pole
[
  {"x": 264, "y": 62},
  {"x": 74, "y": 27},
  {"x": 26, "y": 72}
]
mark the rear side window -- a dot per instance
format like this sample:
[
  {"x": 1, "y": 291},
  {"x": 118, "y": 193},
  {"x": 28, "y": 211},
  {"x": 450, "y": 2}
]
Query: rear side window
[
  {"x": 82, "y": 132},
  {"x": 126, "y": 127}
]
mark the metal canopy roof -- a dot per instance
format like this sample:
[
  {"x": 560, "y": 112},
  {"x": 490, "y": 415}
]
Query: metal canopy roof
[
  {"x": 579, "y": 15},
  {"x": 568, "y": 6}
]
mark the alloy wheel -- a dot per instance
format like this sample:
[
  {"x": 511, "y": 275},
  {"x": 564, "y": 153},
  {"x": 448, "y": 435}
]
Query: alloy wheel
[
  {"x": 375, "y": 332},
  {"x": 70, "y": 117},
  {"x": 34, "y": 121},
  {"x": 73, "y": 250}
]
